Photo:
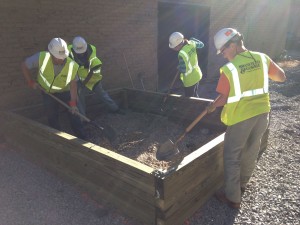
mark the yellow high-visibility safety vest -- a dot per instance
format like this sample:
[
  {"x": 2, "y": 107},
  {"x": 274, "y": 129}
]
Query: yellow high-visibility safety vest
[
  {"x": 248, "y": 77},
  {"x": 47, "y": 79},
  {"x": 193, "y": 72},
  {"x": 93, "y": 62}
]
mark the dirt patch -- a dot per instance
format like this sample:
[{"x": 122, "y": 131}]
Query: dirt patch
[{"x": 140, "y": 135}]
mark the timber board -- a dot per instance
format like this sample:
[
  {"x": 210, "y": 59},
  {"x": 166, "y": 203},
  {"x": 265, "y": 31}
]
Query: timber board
[
  {"x": 189, "y": 181},
  {"x": 176, "y": 107},
  {"x": 180, "y": 211},
  {"x": 119, "y": 182}
]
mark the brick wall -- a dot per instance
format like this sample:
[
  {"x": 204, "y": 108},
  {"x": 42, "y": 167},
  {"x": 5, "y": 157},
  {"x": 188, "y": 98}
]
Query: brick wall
[{"x": 117, "y": 28}]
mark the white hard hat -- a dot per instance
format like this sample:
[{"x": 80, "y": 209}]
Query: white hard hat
[
  {"x": 223, "y": 36},
  {"x": 175, "y": 39},
  {"x": 58, "y": 48},
  {"x": 79, "y": 45}
]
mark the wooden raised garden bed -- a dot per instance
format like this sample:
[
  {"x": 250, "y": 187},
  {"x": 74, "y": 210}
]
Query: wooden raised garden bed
[{"x": 151, "y": 195}]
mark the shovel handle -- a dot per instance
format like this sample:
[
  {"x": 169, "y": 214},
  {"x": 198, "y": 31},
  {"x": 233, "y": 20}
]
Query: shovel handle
[
  {"x": 128, "y": 70},
  {"x": 108, "y": 133},
  {"x": 191, "y": 126},
  {"x": 172, "y": 84},
  {"x": 64, "y": 104}
]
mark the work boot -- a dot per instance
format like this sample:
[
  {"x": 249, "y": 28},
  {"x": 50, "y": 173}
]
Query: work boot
[
  {"x": 243, "y": 189},
  {"x": 222, "y": 198}
]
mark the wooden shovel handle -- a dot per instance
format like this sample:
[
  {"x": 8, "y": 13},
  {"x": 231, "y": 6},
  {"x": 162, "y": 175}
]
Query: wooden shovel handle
[
  {"x": 191, "y": 126},
  {"x": 63, "y": 103},
  {"x": 172, "y": 84}
]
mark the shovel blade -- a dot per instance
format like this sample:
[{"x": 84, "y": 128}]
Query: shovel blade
[
  {"x": 167, "y": 151},
  {"x": 106, "y": 130}
]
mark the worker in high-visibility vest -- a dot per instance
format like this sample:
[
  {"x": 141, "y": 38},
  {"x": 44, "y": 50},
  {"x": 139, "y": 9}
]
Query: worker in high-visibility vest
[
  {"x": 190, "y": 72},
  {"x": 89, "y": 73},
  {"x": 56, "y": 75},
  {"x": 243, "y": 89}
]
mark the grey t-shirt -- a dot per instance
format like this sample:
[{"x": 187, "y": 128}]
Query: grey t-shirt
[{"x": 32, "y": 62}]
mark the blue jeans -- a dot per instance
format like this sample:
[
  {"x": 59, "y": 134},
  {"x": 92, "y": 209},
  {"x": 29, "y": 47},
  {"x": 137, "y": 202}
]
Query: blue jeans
[
  {"x": 52, "y": 111},
  {"x": 100, "y": 94}
]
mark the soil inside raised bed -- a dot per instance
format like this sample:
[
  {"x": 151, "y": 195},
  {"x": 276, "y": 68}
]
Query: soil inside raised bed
[{"x": 139, "y": 136}]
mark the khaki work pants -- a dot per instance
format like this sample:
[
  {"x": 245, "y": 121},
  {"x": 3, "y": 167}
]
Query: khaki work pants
[{"x": 241, "y": 147}]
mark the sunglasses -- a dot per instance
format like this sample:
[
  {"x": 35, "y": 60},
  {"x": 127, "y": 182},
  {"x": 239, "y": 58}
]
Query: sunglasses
[{"x": 225, "y": 46}]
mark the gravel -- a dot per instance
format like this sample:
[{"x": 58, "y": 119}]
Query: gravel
[
  {"x": 140, "y": 135},
  {"x": 31, "y": 195}
]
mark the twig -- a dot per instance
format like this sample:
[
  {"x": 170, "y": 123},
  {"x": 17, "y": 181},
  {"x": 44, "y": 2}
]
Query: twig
[{"x": 128, "y": 70}]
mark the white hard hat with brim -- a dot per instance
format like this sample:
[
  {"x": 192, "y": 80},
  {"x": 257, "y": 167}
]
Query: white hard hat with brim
[
  {"x": 175, "y": 39},
  {"x": 58, "y": 48},
  {"x": 79, "y": 45},
  {"x": 222, "y": 37}
]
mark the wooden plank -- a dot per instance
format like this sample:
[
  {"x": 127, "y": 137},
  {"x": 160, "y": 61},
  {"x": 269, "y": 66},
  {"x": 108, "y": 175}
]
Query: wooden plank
[
  {"x": 184, "y": 205},
  {"x": 32, "y": 111},
  {"x": 184, "y": 209},
  {"x": 177, "y": 108},
  {"x": 200, "y": 173},
  {"x": 209, "y": 155},
  {"x": 14, "y": 97},
  {"x": 144, "y": 101},
  {"x": 96, "y": 108},
  {"x": 196, "y": 179},
  {"x": 185, "y": 171},
  {"x": 128, "y": 207},
  {"x": 108, "y": 159},
  {"x": 129, "y": 187}
]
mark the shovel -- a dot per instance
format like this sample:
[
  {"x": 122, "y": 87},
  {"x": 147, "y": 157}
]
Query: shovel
[
  {"x": 167, "y": 95},
  {"x": 169, "y": 149},
  {"x": 108, "y": 131}
]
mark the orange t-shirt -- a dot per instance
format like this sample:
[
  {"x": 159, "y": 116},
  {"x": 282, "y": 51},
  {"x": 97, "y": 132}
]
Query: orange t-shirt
[{"x": 223, "y": 85}]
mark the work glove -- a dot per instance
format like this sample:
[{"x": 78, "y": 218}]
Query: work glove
[
  {"x": 74, "y": 110},
  {"x": 73, "y": 107},
  {"x": 210, "y": 108}
]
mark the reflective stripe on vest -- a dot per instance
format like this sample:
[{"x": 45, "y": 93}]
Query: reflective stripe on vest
[
  {"x": 190, "y": 67},
  {"x": 249, "y": 93},
  {"x": 90, "y": 63},
  {"x": 43, "y": 67},
  {"x": 83, "y": 73}
]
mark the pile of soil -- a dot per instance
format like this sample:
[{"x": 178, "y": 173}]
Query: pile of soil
[{"x": 140, "y": 135}]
